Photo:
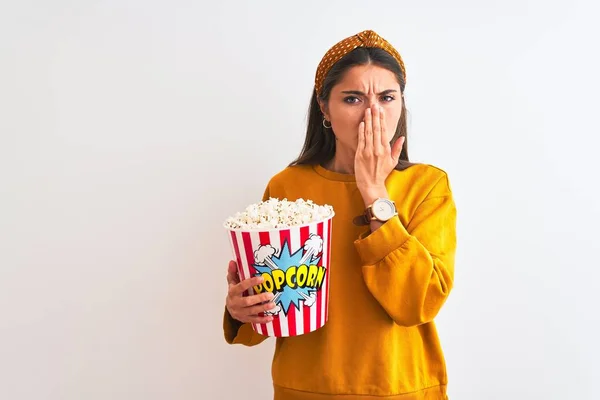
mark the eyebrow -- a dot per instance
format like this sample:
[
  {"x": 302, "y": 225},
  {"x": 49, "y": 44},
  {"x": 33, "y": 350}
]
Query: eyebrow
[{"x": 358, "y": 92}]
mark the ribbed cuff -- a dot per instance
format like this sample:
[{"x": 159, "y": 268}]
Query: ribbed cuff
[
  {"x": 231, "y": 327},
  {"x": 377, "y": 245}
]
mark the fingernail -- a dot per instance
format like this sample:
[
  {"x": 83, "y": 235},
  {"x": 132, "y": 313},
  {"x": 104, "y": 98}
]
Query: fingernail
[{"x": 271, "y": 295}]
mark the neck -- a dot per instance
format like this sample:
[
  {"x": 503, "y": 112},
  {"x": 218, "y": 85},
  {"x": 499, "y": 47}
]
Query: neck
[{"x": 342, "y": 162}]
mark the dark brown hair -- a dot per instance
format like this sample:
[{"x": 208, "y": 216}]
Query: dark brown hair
[{"x": 319, "y": 145}]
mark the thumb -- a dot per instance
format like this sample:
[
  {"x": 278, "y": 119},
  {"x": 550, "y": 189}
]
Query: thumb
[
  {"x": 397, "y": 148},
  {"x": 232, "y": 273}
]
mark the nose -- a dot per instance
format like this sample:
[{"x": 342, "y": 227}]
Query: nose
[{"x": 372, "y": 101}]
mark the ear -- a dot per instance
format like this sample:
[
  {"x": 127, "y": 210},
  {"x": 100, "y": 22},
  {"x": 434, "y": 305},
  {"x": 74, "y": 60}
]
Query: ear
[{"x": 324, "y": 109}]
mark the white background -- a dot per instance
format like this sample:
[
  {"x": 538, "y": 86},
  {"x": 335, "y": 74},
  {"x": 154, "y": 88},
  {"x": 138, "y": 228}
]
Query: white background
[{"x": 129, "y": 130}]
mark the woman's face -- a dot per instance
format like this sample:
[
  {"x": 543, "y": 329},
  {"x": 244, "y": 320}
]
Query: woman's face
[{"x": 361, "y": 87}]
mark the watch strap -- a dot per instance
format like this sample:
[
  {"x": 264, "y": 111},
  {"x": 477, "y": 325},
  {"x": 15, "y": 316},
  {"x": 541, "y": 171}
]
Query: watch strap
[
  {"x": 365, "y": 218},
  {"x": 361, "y": 220},
  {"x": 368, "y": 216}
]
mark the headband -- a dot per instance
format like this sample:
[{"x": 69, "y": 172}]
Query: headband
[{"x": 340, "y": 49}]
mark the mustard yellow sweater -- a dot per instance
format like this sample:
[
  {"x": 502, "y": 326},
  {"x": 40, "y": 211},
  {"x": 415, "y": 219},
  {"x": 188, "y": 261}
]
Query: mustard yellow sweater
[{"x": 386, "y": 288}]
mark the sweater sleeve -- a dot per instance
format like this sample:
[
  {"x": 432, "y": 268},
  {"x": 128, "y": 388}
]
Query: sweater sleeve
[
  {"x": 236, "y": 332},
  {"x": 240, "y": 333},
  {"x": 410, "y": 270}
]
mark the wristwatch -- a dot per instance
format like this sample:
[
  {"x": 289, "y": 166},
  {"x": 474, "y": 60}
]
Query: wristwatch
[{"x": 381, "y": 210}]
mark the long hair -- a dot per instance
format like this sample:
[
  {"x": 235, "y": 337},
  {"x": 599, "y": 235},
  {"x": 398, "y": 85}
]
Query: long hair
[{"x": 319, "y": 145}]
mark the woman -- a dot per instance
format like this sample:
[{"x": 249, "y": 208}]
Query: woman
[{"x": 392, "y": 272}]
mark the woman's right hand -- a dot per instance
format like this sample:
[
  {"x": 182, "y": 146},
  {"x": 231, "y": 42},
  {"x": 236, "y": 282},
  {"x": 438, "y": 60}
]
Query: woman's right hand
[{"x": 246, "y": 309}]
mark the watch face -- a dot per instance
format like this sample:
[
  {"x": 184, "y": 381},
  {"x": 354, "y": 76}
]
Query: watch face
[{"x": 383, "y": 209}]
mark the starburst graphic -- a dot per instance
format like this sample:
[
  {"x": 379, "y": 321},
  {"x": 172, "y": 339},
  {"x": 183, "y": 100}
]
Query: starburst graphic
[{"x": 283, "y": 261}]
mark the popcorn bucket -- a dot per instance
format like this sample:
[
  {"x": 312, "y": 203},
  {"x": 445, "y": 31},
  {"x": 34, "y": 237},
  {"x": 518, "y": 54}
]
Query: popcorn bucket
[{"x": 294, "y": 263}]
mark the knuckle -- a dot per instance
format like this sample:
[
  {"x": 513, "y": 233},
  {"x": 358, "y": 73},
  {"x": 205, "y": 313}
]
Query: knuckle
[
  {"x": 266, "y": 296},
  {"x": 263, "y": 298}
]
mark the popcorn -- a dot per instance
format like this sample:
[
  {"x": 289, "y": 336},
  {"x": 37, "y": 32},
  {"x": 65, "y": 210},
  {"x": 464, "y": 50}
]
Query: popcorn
[{"x": 276, "y": 214}]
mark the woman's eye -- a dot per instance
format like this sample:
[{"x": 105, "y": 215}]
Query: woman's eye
[
  {"x": 387, "y": 98},
  {"x": 351, "y": 99}
]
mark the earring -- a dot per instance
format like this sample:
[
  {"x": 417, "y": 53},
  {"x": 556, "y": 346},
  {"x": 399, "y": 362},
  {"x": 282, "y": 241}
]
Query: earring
[{"x": 325, "y": 126}]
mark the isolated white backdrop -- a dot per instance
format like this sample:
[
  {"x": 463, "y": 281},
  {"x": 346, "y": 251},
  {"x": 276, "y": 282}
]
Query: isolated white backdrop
[{"x": 130, "y": 129}]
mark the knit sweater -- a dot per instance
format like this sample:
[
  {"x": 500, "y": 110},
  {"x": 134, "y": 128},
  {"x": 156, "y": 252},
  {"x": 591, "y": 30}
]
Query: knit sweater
[{"x": 386, "y": 288}]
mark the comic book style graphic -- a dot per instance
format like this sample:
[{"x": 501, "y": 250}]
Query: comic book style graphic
[{"x": 294, "y": 263}]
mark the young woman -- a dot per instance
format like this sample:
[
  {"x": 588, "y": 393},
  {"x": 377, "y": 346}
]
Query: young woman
[{"x": 393, "y": 242}]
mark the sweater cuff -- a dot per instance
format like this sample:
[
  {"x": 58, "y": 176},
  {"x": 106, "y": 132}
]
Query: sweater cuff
[
  {"x": 231, "y": 327},
  {"x": 384, "y": 240}
]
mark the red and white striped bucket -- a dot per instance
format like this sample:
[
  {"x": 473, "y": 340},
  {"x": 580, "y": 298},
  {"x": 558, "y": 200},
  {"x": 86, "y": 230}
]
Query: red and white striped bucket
[{"x": 295, "y": 265}]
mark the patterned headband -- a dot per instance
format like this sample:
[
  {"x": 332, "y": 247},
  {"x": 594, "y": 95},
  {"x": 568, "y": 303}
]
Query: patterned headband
[{"x": 340, "y": 49}]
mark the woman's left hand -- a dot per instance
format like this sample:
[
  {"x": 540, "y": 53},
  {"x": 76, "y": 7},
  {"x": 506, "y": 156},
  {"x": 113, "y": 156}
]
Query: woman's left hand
[{"x": 375, "y": 158}]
